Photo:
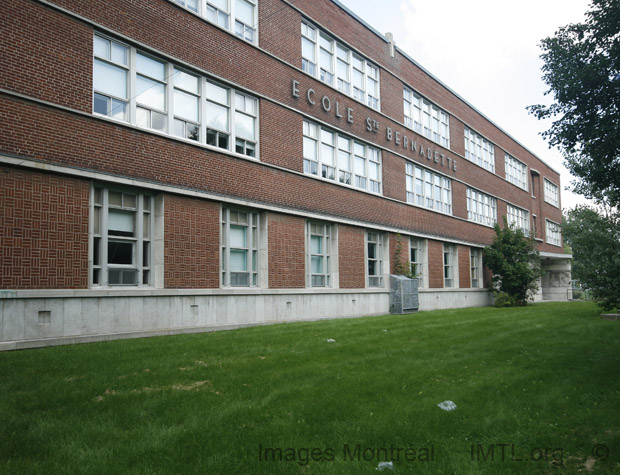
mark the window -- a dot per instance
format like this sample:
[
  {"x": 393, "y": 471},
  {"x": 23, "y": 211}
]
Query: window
[
  {"x": 318, "y": 257},
  {"x": 220, "y": 12},
  {"x": 426, "y": 118},
  {"x": 374, "y": 256},
  {"x": 552, "y": 195},
  {"x": 110, "y": 73},
  {"x": 475, "y": 262},
  {"x": 171, "y": 100},
  {"x": 239, "y": 248},
  {"x": 519, "y": 218},
  {"x": 336, "y": 65},
  {"x": 339, "y": 158},
  {"x": 516, "y": 172},
  {"x": 428, "y": 189},
  {"x": 151, "y": 93},
  {"x": 417, "y": 259},
  {"x": 122, "y": 230},
  {"x": 479, "y": 151},
  {"x": 481, "y": 208},
  {"x": 554, "y": 233},
  {"x": 450, "y": 269}
]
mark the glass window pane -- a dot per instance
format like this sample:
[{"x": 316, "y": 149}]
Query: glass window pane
[
  {"x": 244, "y": 126},
  {"x": 120, "y": 223},
  {"x": 150, "y": 67},
  {"x": 110, "y": 79},
  {"x": 244, "y": 12},
  {"x": 308, "y": 50},
  {"x": 151, "y": 93},
  {"x": 221, "y": 4},
  {"x": 120, "y": 252},
  {"x": 238, "y": 236},
  {"x": 238, "y": 260},
  {"x": 217, "y": 93},
  {"x": 316, "y": 245},
  {"x": 316, "y": 264},
  {"x": 101, "y": 47},
  {"x": 186, "y": 81},
  {"x": 119, "y": 53},
  {"x": 217, "y": 116},
  {"x": 185, "y": 105}
]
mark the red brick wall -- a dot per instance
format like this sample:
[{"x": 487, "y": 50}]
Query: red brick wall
[
  {"x": 351, "y": 263},
  {"x": 435, "y": 264},
  {"x": 464, "y": 267},
  {"x": 287, "y": 251},
  {"x": 43, "y": 230},
  {"x": 191, "y": 243}
]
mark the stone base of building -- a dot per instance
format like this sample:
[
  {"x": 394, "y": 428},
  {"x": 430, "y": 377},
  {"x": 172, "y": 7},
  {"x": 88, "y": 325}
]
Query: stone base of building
[{"x": 31, "y": 319}]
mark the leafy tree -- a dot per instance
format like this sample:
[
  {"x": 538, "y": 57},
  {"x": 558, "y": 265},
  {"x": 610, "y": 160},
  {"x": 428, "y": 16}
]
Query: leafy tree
[
  {"x": 582, "y": 69},
  {"x": 514, "y": 262},
  {"x": 594, "y": 237}
]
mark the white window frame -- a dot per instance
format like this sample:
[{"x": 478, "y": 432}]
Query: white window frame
[
  {"x": 140, "y": 212},
  {"x": 226, "y": 15},
  {"x": 337, "y": 65},
  {"x": 425, "y": 118},
  {"x": 481, "y": 208},
  {"x": 249, "y": 222},
  {"x": 553, "y": 233},
  {"x": 341, "y": 159},
  {"x": 198, "y": 132},
  {"x": 552, "y": 193},
  {"x": 450, "y": 266},
  {"x": 323, "y": 277},
  {"x": 428, "y": 189},
  {"x": 479, "y": 150},
  {"x": 418, "y": 257},
  {"x": 516, "y": 172},
  {"x": 476, "y": 271},
  {"x": 374, "y": 259},
  {"x": 519, "y": 218}
]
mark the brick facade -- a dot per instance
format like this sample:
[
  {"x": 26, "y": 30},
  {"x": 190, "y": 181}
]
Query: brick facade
[{"x": 46, "y": 107}]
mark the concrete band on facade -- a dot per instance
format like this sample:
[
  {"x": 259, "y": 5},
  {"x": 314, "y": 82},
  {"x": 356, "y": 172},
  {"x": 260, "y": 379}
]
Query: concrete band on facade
[{"x": 163, "y": 174}]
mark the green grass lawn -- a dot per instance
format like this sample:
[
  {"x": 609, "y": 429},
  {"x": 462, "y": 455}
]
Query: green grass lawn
[{"x": 537, "y": 390}]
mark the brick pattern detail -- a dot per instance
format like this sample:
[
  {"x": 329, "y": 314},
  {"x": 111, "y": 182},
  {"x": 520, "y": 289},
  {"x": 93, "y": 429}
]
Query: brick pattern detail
[
  {"x": 43, "y": 230},
  {"x": 287, "y": 252},
  {"x": 191, "y": 243},
  {"x": 464, "y": 267},
  {"x": 435, "y": 264},
  {"x": 351, "y": 257}
]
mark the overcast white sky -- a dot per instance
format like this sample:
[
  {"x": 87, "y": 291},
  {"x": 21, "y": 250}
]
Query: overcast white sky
[{"x": 487, "y": 51}]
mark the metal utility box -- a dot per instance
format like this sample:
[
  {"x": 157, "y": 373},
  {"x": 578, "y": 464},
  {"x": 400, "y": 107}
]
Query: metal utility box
[{"x": 403, "y": 294}]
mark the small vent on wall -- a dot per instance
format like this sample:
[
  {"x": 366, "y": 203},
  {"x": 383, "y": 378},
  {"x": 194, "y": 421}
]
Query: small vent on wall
[{"x": 45, "y": 317}]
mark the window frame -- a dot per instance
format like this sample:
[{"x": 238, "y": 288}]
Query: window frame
[
  {"x": 252, "y": 240},
  {"x": 553, "y": 233},
  {"x": 250, "y": 148},
  {"x": 519, "y": 218},
  {"x": 479, "y": 150},
  {"x": 450, "y": 266},
  {"x": 485, "y": 211},
  {"x": 142, "y": 241},
  {"x": 374, "y": 240},
  {"x": 331, "y": 169},
  {"x": 551, "y": 193},
  {"x": 325, "y": 254},
  {"x": 516, "y": 172},
  {"x": 417, "y": 178},
  {"x": 476, "y": 269},
  {"x": 325, "y": 61},
  {"x": 417, "y": 109},
  {"x": 421, "y": 261},
  {"x": 205, "y": 9}
]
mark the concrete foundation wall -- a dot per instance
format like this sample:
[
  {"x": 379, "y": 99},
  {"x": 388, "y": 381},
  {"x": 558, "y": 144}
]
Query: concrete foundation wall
[{"x": 31, "y": 319}]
